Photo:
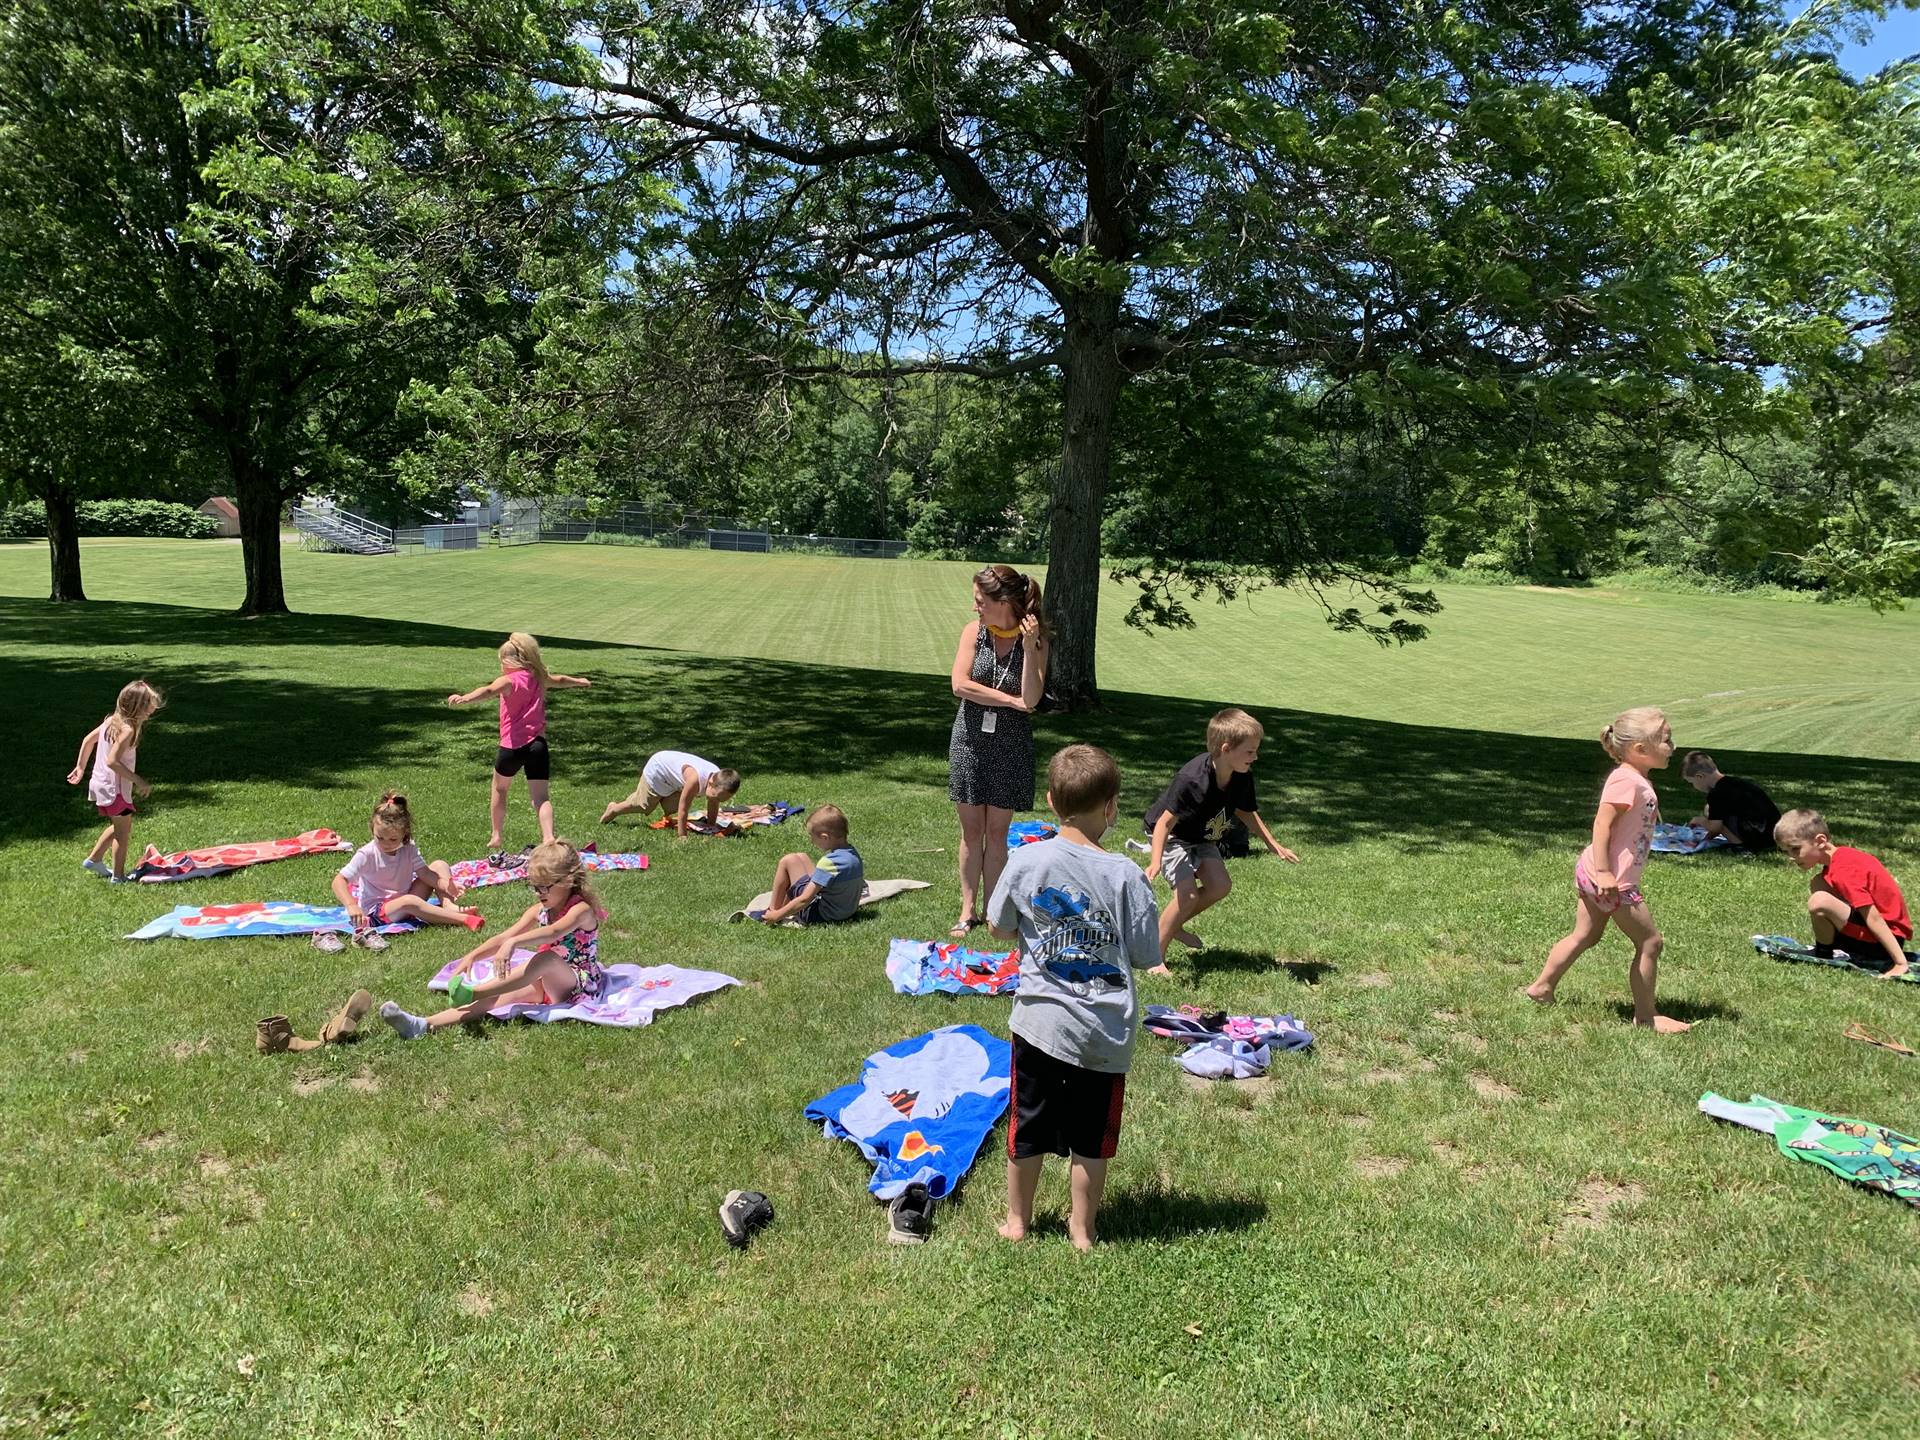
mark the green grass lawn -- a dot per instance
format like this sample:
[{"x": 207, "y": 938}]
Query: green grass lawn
[{"x": 1459, "y": 1215}]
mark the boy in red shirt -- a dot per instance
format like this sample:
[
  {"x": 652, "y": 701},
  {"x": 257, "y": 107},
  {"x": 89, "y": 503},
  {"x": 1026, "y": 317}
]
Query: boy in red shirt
[{"x": 1856, "y": 906}]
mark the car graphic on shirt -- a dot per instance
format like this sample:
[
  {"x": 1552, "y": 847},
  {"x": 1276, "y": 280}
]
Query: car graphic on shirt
[{"x": 1070, "y": 963}]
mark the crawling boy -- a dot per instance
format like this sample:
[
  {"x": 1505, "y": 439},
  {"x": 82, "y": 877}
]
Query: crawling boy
[{"x": 669, "y": 780}]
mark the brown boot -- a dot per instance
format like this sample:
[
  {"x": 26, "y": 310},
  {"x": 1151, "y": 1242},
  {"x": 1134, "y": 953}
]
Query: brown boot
[
  {"x": 345, "y": 1025},
  {"x": 274, "y": 1036}
]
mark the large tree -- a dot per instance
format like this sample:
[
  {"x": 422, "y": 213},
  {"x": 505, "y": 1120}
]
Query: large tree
[
  {"x": 287, "y": 214},
  {"x": 1447, "y": 217}
]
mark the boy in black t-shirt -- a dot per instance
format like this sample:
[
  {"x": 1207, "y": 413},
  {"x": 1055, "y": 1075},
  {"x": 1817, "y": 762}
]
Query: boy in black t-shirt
[
  {"x": 1736, "y": 808},
  {"x": 1193, "y": 813}
]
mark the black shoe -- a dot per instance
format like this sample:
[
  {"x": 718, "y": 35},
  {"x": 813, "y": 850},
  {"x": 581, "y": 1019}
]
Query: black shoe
[
  {"x": 910, "y": 1217},
  {"x": 742, "y": 1213}
]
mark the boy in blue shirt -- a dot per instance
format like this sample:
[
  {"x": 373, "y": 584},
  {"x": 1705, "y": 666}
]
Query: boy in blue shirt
[
  {"x": 1085, "y": 920},
  {"x": 806, "y": 892}
]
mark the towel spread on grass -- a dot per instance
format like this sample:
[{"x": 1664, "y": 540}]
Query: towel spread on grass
[
  {"x": 1028, "y": 832},
  {"x": 254, "y": 917},
  {"x": 922, "y": 1108},
  {"x": 872, "y": 893},
  {"x": 634, "y": 995},
  {"x": 941, "y": 967},
  {"x": 1856, "y": 1150},
  {"x": 1685, "y": 840},
  {"x": 155, "y": 868},
  {"x": 776, "y": 812},
  {"x": 478, "y": 874},
  {"x": 696, "y": 825},
  {"x": 1227, "y": 1047},
  {"x": 1785, "y": 947}
]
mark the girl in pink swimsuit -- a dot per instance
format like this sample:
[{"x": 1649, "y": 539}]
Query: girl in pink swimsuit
[
  {"x": 1606, "y": 878},
  {"x": 561, "y": 928}
]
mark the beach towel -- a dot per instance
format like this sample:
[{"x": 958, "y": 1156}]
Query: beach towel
[
  {"x": 871, "y": 894},
  {"x": 635, "y": 993},
  {"x": 1029, "y": 832},
  {"x": 1856, "y": 1150},
  {"x": 922, "y": 1108},
  {"x": 254, "y": 917},
  {"x": 155, "y": 868},
  {"x": 1685, "y": 840},
  {"x": 478, "y": 874},
  {"x": 1785, "y": 947},
  {"x": 941, "y": 967},
  {"x": 776, "y": 812}
]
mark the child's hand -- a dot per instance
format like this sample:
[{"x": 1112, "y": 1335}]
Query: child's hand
[
  {"x": 456, "y": 699},
  {"x": 1153, "y": 869},
  {"x": 1286, "y": 854},
  {"x": 357, "y": 915},
  {"x": 1605, "y": 885},
  {"x": 142, "y": 787},
  {"x": 1698, "y": 822},
  {"x": 73, "y": 776}
]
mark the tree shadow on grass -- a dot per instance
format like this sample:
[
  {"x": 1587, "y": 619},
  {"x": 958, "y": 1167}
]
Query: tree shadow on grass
[
  {"x": 1324, "y": 779},
  {"x": 1159, "y": 1214}
]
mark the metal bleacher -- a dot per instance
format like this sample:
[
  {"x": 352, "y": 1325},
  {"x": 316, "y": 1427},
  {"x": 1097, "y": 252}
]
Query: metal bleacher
[{"x": 341, "y": 530}]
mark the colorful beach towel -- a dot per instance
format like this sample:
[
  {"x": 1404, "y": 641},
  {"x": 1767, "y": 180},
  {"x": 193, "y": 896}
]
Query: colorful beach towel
[
  {"x": 155, "y": 868},
  {"x": 1685, "y": 840},
  {"x": 1223, "y": 1046},
  {"x": 1029, "y": 832},
  {"x": 479, "y": 874},
  {"x": 941, "y": 967},
  {"x": 871, "y": 894},
  {"x": 1785, "y": 947},
  {"x": 634, "y": 995},
  {"x": 1856, "y": 1150},
  {"x": 776, "y": 812},
  {"x": 254, "y": 917},
  {"x": 922, "y": 1108}
]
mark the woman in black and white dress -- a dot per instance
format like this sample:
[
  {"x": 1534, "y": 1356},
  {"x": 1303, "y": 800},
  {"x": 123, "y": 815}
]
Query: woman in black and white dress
[{"x": 999, "y": 675}]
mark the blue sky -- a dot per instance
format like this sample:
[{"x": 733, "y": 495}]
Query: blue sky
[{"x": 1894, "y": 38}]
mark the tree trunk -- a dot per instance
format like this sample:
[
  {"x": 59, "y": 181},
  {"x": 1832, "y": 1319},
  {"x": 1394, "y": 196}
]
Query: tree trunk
[
  {"x": 258, "y": 500},
  {"x": 63, "y": 541},
  {"x": 1079, "y": 493}
]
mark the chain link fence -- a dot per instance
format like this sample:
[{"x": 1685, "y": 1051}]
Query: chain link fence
[{"x": 573, "y": 522}]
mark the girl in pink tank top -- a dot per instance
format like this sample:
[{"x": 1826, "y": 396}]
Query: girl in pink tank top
[
  {"x": 112, "y": 780},
  {"x": 522, "y": 687},
  {"x": 1606, "y": 877}
]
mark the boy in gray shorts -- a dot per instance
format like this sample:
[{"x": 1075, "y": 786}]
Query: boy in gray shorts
[
  {"x": 1085, "y": 919},
  {"x": 1193, "y": 813}
]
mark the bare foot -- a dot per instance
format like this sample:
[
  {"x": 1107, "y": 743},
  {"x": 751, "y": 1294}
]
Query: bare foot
[
  {"x": 1160, "y": 969},
  {"x": 1082, "y": 1243},
  {"x": 1666, "y": 1025},
  {"x": 1013, "y": 1229},
  {"x": 495, "y": 845},
  {"x": 1187, "y": 938},
  {"x": 608, "y": 813},
  {"x": 1538, "y": 996}
]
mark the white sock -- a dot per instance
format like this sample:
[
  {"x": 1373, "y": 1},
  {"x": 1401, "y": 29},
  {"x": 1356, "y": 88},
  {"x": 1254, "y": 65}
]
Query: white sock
[
  {"x": 407, "y": 1027},
  {"x": 96, "y": 867}
]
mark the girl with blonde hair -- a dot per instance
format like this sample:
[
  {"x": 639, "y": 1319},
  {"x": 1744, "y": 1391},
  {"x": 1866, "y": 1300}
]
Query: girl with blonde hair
[
  {"x": 561, "y": 928},
  {"x": 522, "y": 686},
  {"x": 1606, "y": 878},
  {"x": 113, "y": 781}
]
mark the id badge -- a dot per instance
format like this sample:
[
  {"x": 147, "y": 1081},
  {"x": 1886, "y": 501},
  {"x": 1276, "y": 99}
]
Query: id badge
[{"x": 989, "y": 722}]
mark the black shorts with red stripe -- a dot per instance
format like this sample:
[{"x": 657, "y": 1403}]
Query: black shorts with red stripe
[{"x": 1061, "y": 1109}]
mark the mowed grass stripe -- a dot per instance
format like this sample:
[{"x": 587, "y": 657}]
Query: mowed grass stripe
[{"x": 1742, "y": 673}]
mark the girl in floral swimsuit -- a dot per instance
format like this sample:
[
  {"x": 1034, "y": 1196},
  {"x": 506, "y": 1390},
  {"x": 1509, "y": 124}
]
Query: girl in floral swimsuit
[{"x": 561, "y": 928}]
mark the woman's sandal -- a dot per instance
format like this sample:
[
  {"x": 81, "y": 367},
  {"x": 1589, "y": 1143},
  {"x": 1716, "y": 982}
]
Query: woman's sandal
[
  {"x": 1856, "y": 1031},
  {"x": 963, "y": 928}
]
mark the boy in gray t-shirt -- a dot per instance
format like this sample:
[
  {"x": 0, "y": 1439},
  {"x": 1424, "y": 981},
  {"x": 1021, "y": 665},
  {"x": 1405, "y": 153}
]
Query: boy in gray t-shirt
[{"x": 1085, "y": 919}]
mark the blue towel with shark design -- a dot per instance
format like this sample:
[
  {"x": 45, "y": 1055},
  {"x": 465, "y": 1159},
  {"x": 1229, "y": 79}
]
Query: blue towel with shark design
[{"x": 922, "y": 1108}]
